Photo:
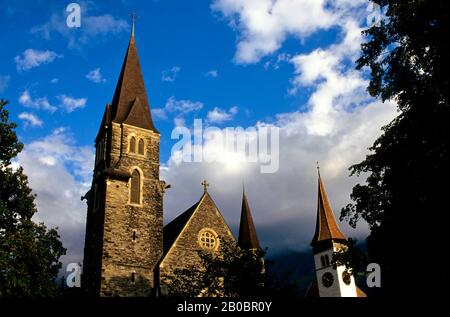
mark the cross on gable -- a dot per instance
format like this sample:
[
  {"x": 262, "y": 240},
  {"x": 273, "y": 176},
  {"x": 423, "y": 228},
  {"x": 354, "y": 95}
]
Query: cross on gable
[{"x": 205, "y": 185}]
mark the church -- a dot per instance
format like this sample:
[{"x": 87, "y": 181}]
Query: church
[{"x": 128, "y": 251}]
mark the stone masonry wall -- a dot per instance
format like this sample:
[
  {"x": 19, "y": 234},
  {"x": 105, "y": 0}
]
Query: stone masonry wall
[
  {"x": 122, "y": 257},
  {"x": 184, "y": 253}
]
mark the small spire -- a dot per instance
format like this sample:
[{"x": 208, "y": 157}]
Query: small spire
[
  {"x": 205, "y": 185},
  {"x": 327, "y": 228},
  {"x": 134, "y": 16},
  {"x": 248, "y": 239}
]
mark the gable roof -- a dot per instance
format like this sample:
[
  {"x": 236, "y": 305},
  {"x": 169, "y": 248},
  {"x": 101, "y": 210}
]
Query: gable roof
[
  {"x": 326, "y": 227},
  {"x": 248, "y": 238},
  {"x": 173, "y": 229},
  {"x": 130, "y": 100},
  {"x": 106, "y": 120}
]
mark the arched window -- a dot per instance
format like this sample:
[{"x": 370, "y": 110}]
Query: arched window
[
  {"x": 141, "y": 147},
  {"x": 327, "y": 260},
  {"x": 135, "y": 188},
  {"x": 95, "y": 197},
  {"x": 322, "y": 260},
  {"x": 132, "y": 144}
]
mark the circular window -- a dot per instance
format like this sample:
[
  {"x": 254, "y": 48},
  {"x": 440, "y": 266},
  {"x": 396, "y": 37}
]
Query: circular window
[{"x": 208, "y": 239}]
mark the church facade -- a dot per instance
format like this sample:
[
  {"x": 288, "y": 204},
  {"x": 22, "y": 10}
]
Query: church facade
[{"x": 128, "y": 251}]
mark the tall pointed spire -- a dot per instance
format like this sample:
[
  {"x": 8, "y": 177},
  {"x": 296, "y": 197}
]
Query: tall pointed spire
[
  {"x": 130, "y": 102},
  {"x": 327, "y": 229},
  {"x": 247, "y": 231}
]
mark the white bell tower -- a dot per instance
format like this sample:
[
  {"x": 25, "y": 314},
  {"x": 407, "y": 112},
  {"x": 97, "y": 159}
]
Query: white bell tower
[{"x": 328, "y": 238}]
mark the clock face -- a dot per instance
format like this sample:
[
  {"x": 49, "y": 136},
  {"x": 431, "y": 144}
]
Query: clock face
[
  {"x": 327, "y": 279},
  {"x": 346, "y": 277}
]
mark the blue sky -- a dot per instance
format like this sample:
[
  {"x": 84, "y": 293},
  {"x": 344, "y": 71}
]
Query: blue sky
[
  {"x": 169, "y": 34},
  {"x": 282, "y": 63}
]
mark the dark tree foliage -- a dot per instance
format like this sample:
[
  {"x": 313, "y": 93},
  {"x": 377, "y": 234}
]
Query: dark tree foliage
[
  {"x": 351, "y": 257},
  {"x": 29, "y": 253},
  {"x": 404, "y": 200},
  {"x": 231, "y": 272}
]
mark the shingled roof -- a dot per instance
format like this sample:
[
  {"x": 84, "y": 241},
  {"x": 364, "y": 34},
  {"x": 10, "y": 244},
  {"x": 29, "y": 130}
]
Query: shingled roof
[
  {"x": 247, "y": 231},
  {"x": 173, "y": 229},
  {"x": 326, "y": 227},
  {"x": 130, "y": 103}
]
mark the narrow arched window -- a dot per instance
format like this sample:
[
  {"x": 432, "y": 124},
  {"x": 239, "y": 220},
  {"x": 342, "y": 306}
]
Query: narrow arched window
[
  {"x": 132, "y": 144},
  {"x": 322, "y": 261},
  {"x": 135, "y": 188},
  {"x": 327, "y": 260},
  {"x": 141, "y": 147},
  {"x": 95, "y": 197}
]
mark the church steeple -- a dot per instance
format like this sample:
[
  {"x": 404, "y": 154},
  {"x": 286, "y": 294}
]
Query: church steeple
[
  {"x": 332, "y": 280},
  {"x": 247, "y": 231},
  {"x": 327, "y": 230},
  {"x": 130, "y": 103}
]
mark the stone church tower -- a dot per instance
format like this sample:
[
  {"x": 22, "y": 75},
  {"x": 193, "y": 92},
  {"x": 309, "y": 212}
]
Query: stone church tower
[{"x": 124, "y": 228}]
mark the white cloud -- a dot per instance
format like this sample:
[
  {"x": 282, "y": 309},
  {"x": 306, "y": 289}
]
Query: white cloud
[
  {"x": 4, "y": 81},
  {"x": 182, "y": 106},
  {"x": 71, "y": 104},
  {"x": 218, "y": 115},
  {"x": 54, "y": 80},
  {"x": 34, "y": 58},
  {"x": 159, "y": 113},
  {"x": 170, "y": 75},
  {"x": 60, "y": 172},
  {"x": 284, "y": 203},
  {"x": 91, "y": 27},
  {"x": 31, "y": 119},
  {"x": 281, "y": 58},
  {"x": 212, "y": 73},
  {"x": 104, "y": 24},
  {"x": 338, "y": 124},
  {"x": 178, "y": 108},
  {"x": 264, "y": 24},
  {"x": 27, "y": 100},
  {"x": 95, "y": 76}
]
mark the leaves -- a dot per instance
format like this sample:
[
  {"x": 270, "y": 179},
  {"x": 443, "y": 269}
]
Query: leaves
[
  {"x": 29, "y": 252},
  {"x": 409, "y": 163},
  {"x": 228, "y": 272}
]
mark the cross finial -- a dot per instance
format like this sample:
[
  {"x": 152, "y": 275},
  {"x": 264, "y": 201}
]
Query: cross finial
[
  {"x": 318, "y": 167},
  {"x": 205, "y": 185},
  {"x": 134, "y": 16}
]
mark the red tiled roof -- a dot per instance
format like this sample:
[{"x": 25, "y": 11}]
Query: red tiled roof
[{"x": 326, "y": 226}]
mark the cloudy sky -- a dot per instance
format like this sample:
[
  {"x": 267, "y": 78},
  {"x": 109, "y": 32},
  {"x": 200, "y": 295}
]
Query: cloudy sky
[{"x": 232, "y": 63}]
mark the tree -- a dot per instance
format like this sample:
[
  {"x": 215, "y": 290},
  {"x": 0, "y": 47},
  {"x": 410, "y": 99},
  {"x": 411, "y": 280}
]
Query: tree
[
  {"x": 29, "y": 252},
  {"x": 231, "y": 272},
  {"x": 404, "y": 200}
]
